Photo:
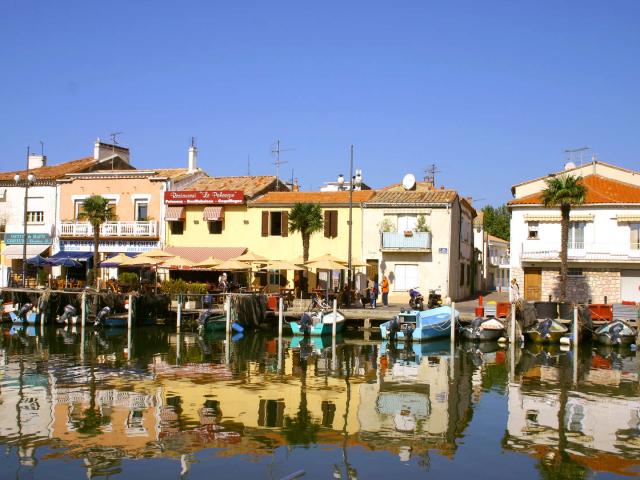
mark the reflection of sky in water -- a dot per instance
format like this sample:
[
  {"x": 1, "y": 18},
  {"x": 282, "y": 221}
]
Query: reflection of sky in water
[{"x": 178, "y": 406}]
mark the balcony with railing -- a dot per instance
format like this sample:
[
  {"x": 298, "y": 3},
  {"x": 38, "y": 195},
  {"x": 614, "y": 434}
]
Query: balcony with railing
[
  {"x": 146, "y": 229},
  {"x": 499, "y": 260},
  {"x": 534, "y": 250},
  {"x": 405, "y": 242}
]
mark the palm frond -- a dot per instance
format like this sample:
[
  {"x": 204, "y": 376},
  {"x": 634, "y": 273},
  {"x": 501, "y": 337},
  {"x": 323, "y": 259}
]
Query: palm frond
[
  {"x": 306, "y": 218},
  {"x": 564, "y": 190}
]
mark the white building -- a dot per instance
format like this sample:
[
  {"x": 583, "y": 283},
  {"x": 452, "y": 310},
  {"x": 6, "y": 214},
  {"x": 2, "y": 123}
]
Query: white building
[
  {"x": 42, "y": 213},
  {"x": 420, "y": 237},
  {"x": 604, "y": 238}
]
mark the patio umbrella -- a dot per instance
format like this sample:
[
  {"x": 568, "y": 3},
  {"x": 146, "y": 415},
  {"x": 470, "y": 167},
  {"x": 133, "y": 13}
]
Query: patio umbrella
[
  {"x": 329, "y": 257},
  {"x": 358, "y": 263},
  {"x": 115, "y": 260},
  {"x": 158, "y": 253},
  {"x": 38, "y": 261},
  {"x": 176, "y": 263},
  {"x": 140, "y": 261},
  {"x": 283, "y": 265},
  {"x": 232, "y": 265},
  {"x": 209, "y": 262},
  {"x": 65, "y": 262},
  {"x": 326, "y": 265},
  {"x": 251, "y": 258}
]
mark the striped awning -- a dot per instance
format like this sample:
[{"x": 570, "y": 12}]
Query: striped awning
[
  {"x": 212, "y": 214},
  {"x": 580, "y": 217},
  {"x": 174, "y": 213},
  {"x": 628, "y": 218}
]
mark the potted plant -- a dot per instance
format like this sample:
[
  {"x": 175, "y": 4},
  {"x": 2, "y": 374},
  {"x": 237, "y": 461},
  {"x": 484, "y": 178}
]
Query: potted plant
[
  {"x": 128, "y": 280},
  {"x": 174, "y": 288},
  {"x": 423, "y": 228},
  {"x": 387, "y": 225},
  {"x": 195, "y": 293}
]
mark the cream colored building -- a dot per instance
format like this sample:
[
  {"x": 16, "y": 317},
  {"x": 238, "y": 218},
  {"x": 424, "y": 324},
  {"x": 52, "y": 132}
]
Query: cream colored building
[{"x": 438, "y": 259}]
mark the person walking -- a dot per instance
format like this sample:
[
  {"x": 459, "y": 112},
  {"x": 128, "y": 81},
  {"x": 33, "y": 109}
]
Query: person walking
[
  {"x": 514, "y": 291},
  {"x": 374, "y": 294},
  {"x": 385, "y": 291}
]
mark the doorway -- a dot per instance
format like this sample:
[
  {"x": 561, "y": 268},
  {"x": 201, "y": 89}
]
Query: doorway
[{"x": 532, "y": 284}]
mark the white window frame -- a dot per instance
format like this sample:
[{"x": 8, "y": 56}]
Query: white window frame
[
  {"x": 39, "y": 217},
  {"x": 634, "y": 228},
  {"x": 574, "y": 228},
  {"x": 533, "y": 227}
]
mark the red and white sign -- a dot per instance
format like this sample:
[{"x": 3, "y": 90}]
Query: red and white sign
[{"x": 205, "y": 197}]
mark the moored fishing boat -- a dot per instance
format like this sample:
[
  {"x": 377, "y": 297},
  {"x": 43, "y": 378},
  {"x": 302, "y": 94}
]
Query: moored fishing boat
[
  {"x": 419, "y": 325},
  {"x": 318, "y": 323},
  {"x": 483, "y": 329},
  {"x": 618, "y": 332},
  {"x": 546, "y": 331},
  {"x": 208, "y": 321},
  {"x": 26, "y": 314}
]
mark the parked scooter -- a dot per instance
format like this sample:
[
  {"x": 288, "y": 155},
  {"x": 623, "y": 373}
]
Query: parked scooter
[
  {"x": 416, "y": 300},
  {"x": 434, "y": 300}
]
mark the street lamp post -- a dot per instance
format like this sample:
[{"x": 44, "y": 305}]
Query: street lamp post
[
  {"x": 353, "y": 181},
  {"x": 29, "y": 180}
]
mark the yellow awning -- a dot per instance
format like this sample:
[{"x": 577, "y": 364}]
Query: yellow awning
[
  {"x": 580, "y": 217},
  {"x": 628, "y": 218}
]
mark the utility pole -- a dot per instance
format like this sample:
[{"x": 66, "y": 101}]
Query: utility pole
[{"x": 351, "y": 182}]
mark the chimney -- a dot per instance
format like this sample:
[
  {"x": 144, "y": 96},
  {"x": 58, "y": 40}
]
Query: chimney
[
  {"x": 37, "y": 161},
  {"x": 193, "y": 158},
  {"x": 295, "y": 187},
  {"x": 103, "y": 150}
]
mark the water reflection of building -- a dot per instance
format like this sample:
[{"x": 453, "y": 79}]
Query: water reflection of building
[
  {"x": 412, "y": 405},
  {"x": 601, "y": 424}
]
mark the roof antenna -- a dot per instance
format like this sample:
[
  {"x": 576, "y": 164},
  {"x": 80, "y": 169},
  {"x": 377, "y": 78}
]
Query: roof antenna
[
  {"x": 430, "y": 174},
  {"x": 114, "y": 142},
  {"x": 248, "y": 165},
  {"x": 276, "y": 151},
  {"x": 42, "y": 148},
  {"x": 576, "y": 153}
]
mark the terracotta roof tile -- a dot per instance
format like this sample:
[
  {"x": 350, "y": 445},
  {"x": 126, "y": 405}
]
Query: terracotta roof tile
[
  {"x": 250, "y": 185},
  {"x": 173, "y": 173},
  {"x": 493, "y": 238},
  {"x": 420, "y": 187},
  {"x": 52, "y": 172},
  {"x": 600, "y": 190},
  {"x": 323, "y": 198},
  {"x": 412, "y": 197}
]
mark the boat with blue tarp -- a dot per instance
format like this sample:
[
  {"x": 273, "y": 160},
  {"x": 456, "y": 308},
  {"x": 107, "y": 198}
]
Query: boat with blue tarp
[{"x": 420, "y": 325}]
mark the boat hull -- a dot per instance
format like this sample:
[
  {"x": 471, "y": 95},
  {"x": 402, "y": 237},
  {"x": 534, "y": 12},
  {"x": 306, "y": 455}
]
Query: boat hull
[
  {"x": 32, "y": 318},
  {"x": 481, "y": 335},
  {"x": 625, "y": 336},
  {"x": 115, "y": 322},
  {"x": 318, "y": 329},
  {"x": 420, "y": 334},
  {"x": 551, "y": 337}
]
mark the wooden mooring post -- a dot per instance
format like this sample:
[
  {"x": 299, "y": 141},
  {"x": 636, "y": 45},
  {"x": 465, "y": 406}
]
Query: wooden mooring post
[
  {"x": 452, "y": 361},
  {"x": 179, "y": 314},
  {"x": 280, "y": 322},
  {"x": 334, "y": 353},
  {"x": 129, "y": 325}
]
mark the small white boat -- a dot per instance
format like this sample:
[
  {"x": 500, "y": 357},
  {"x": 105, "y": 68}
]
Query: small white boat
[
  {"x": 617, "y": 332},
  {"x": 318, "y": 323}
]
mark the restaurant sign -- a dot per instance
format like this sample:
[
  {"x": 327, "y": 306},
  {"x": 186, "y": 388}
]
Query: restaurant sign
[
  {"x": 32, "y": 238},
  {"x": 109, "y": 246},
  {"x": 204, "y": 197}
]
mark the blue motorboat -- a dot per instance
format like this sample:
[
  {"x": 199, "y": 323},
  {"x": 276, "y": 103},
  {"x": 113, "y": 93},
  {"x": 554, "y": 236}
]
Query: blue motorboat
[
  {"x": 317, "y": 323},
  {"x": 26, "y": 314},
  {"x": 419, "y": 325}
]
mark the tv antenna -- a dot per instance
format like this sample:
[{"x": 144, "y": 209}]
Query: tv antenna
[
  {"x": 576, "y": 153},
  {"x": 276, "y": 151},
  {"x": 248, "y": 165},
  {"x": 114, "y": 142},
  {"x": 430, "y": 174}
]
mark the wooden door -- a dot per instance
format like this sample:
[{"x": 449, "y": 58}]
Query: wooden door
[{"x": 532, "y": 284}]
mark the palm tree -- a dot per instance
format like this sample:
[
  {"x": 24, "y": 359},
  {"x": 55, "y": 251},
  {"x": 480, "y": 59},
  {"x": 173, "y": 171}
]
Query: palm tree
[
  {"x": 305, "y": 218},
  {"x": 564, "y": 191},
  {"x": 96, "y": 211}
]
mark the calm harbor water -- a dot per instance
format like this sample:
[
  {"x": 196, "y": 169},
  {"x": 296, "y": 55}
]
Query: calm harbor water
[{"x": 161, "y": 405}]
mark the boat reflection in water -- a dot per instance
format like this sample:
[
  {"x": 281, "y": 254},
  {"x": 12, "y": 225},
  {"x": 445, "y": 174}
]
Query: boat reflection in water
[
  {"x": 576, "y": 423},
  {"x": 88, "y": 403}
]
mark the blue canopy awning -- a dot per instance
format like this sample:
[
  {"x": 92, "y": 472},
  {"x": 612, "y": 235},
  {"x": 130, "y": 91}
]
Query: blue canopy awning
[{"x": 78, "y": 256}]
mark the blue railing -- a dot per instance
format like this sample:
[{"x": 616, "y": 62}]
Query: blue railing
[{"x": 400, "y": 241}]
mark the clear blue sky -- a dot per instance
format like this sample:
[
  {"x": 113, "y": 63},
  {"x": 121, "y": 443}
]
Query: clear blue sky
[{"x": 490, "y": 91}]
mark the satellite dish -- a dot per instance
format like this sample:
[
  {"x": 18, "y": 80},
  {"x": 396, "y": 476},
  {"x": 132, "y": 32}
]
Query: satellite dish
[
  {"x": 409, "y": 181},
  {"x": 569, "y": 166}
]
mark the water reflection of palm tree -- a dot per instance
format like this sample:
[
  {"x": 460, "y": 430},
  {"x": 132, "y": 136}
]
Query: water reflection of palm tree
[
  {"x": 561, "y": 465},
  {"x": 301, "y": 429}
]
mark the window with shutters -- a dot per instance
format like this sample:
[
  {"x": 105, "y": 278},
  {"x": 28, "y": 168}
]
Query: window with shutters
[
  {"x": 635, "y": 235},
  {"x": 330, "y": 223},
  {"x": 275, "y": 224},
  {"x": 35, "y": 217}
]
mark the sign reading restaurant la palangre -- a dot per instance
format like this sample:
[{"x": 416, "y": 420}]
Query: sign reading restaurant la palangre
[{"x": 204, "y": 197}]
